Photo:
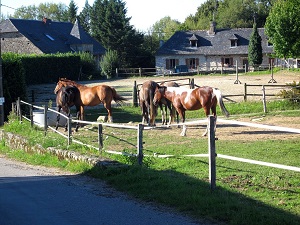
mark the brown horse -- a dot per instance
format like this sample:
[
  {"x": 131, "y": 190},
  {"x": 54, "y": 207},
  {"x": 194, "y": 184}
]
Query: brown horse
[
  {"x": 92, "y": 96},
  {"x": 192, "y": 99},
  {"x": 165, "y": 104},
  {"x": 146, "y": 94}
]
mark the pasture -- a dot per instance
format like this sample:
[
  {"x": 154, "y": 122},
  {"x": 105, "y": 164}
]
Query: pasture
[{"x": 245, "y": 194}]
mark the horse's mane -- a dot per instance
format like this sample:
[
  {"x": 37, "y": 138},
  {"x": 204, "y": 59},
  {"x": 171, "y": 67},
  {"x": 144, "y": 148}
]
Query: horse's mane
[{"x": 69, "y": 82}]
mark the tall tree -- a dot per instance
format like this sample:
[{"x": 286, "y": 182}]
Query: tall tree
[
  {"x": 56, "y": 12},
  {"x": 283, "y": 28},
  {"x": 165, "y": 28},
  {"x": 72, "y": 12},
  {"x": 111, "y": 27},
  {"x": 255, "y": 49},
  {"x": 85, "y": 17}
]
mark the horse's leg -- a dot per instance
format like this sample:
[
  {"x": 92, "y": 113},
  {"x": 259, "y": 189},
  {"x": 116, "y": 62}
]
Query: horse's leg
[
  {"x": 109, "y": 111},
  {"x": 57, "y": 117},
  {"x": 80, "y": 114}
]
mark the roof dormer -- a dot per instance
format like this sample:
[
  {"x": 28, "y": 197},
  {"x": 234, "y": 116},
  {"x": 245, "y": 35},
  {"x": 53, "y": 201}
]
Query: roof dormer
[
  {"x": 233, "y": 41},
  {"x": 193, "y": 41}
]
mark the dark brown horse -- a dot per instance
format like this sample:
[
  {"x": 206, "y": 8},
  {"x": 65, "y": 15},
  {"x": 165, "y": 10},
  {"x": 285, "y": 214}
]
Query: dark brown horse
[
  {"x": 146, "y": 94},
  {"x": 92, "y": 96},
  {"x": 67, "y": 97},
  {"x": 192, "y": 99},
  {"x": 166, "y": 104}
]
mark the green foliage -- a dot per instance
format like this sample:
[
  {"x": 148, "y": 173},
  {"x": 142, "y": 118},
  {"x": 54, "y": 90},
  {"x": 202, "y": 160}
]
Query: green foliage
[
  {"x": 72, "y": 12},
  {"x": 85, "y": 16},
  {"x": 109, "y": 63},
  {"x": 87, "y": 65},
  {"x": 293, "y": 94},
  {"x": 14, "y": 85},
  {"x": 283, "y": 28},
  {"x": 55, "y": 12},
  {"x": 50, "y": 67},
  {"x": 165, "y": 28},
  {"x": 255, "y": 56},
  {"x": 111, "y": 27}
]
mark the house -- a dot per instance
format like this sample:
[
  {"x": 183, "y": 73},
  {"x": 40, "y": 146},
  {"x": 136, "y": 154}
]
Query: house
[
  {"x": 46, "y": 36},
  {"x": 215, "y": 49}
]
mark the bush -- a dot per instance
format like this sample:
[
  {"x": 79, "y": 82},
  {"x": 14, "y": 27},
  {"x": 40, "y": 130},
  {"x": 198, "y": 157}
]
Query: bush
[
  {"x": 14, "y": 85},
  {"x": 293, "y": 94},
  {"x": 109, "y": 63}
]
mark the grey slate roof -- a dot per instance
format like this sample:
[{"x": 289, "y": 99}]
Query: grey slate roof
[
  {"x": 52, "y": 37},
  {"x": 217, "y": 44}
]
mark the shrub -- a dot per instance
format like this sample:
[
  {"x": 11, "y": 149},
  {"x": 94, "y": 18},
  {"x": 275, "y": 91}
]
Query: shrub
[
  {"x": 293, "y": 94},
  {"x": 109, "y": 63}
]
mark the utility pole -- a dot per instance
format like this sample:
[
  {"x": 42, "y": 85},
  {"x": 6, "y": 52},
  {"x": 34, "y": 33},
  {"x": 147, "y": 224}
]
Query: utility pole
[{"x": 1, "y": 80}]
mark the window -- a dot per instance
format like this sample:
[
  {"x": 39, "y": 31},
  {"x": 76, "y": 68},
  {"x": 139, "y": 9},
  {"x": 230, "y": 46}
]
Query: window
[
  {"x": 48, "y": 36},
  {"x": 192, "y": 63},
  {"x": 171, "y": 63},
  {"x": 228, "y": 61},
  {"x": 233, "y": 43},
  {"x": 193, "y": 43}
]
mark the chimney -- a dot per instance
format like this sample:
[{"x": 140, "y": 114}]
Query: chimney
[
  {"x": 212, "y": 28},
  {"x": 46, "y": 21}
]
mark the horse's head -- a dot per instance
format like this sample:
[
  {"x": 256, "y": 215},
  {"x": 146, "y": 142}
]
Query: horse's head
[
  {"x": 59, "y": 85},
  {"x": 159, "y": 94}
]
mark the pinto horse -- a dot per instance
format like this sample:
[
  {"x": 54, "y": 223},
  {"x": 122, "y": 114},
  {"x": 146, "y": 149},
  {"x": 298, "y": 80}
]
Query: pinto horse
[
  {"x": 92, "y": 96},
  {"x": 168, "y": 105},
  {"x": 192, "y": 99},
  {"x": 146, "y": 94},
  {"x": 67, "y": 97}
]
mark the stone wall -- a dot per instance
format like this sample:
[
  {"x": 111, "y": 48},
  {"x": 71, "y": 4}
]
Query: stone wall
[{"x": 14, "y": 141}]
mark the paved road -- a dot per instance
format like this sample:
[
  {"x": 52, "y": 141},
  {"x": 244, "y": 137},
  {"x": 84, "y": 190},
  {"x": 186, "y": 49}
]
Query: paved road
[{"x": 37, "y": 195}]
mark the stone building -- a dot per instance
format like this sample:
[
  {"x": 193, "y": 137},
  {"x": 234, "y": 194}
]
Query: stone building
[
  {"x": 215, "y": 49},
  {"x": 46, "y": 36}
]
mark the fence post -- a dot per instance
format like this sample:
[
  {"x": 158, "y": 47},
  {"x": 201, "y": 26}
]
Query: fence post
[
  {"x": 245, "y": 92},
  {"x": 100, "y": 137},
  {"x": 212, "y": 152},
  {"x": 19, "y": 111},
  {"x": 69, "y": 130},
  {"x": 140, "y": 72},
  {"x": 31, "y": 115},
  {"x": 140, "y": 144},
  {"x": 192, "y": 83},
  {"x": 264, "y": 98},
  {"x": 45, "y": 119},
  {"x": 117, "y": 73},
  {"x": 134, "y": 95}
]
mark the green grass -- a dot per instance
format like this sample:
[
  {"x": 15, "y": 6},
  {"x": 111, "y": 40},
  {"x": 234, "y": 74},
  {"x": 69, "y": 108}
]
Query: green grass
[{"x": 245, "y": 194}]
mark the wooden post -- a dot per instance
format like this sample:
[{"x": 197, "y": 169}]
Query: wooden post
[
  {"x": 245, "y": 92},
  {"x": 140, "y": 144},
  {"x": 134, "y": 95},
  {"x": 192, "y": 83},
  {"x": 19, "y": 112},
  {"x": 69, "y": 120},
  {"x": 45, "y": 119},
  {"x": 117, "y": 73},
  {"x": 140, "y": 72},
  {"x": 264, "y": 99},
  {"x": 237, "y": 81},
  {"x": 31, "y": 115},
  {"x": 212, "y": 152},
  {"x": 100, "y": 137}
]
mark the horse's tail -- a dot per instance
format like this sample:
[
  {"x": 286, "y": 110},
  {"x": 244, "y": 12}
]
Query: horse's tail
[
  {"x": 116, "y": 97},
  {"x": 218, "y": 94},
  {"x": 152, "y": 107}
]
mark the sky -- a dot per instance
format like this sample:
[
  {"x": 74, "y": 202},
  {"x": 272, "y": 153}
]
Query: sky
[{"x": 143, "y": 13}]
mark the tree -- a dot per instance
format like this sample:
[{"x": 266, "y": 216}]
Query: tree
[
  {"x": 255, "y": 49},
  {"x": 109, "y": 62},
  {"x": 283, "y": 28},
  {"x": 55, "y": 12},
  {"x": 165, "y": 28},
  {"x": 72, "y": 12},
  {"x": 111, "y": 27},
  {"x": 85, "y": 17}
]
